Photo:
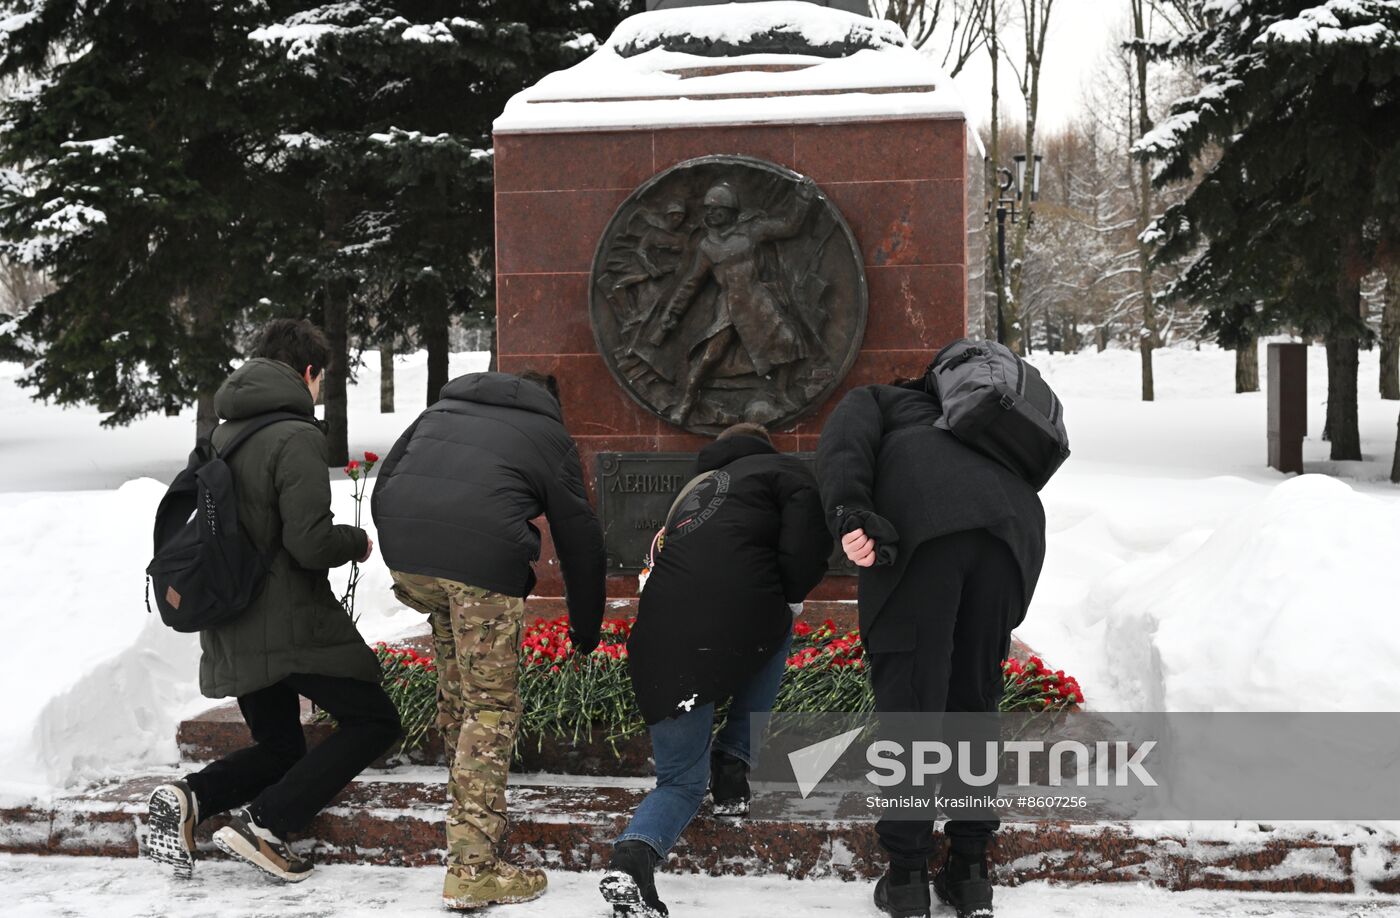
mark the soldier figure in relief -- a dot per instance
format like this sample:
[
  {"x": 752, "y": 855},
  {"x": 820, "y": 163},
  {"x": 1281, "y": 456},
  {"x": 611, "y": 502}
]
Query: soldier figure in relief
[{"x": 750, "y": 321}]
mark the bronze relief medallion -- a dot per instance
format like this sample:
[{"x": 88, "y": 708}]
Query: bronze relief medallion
[{"x": 728, "y": 289}]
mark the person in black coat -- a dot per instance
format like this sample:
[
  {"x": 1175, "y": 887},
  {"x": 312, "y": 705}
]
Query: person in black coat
[
  {"x": 950, "y": 545},
  {"x": 741, "y": 551},
  {"x": 453, "y": 504}
]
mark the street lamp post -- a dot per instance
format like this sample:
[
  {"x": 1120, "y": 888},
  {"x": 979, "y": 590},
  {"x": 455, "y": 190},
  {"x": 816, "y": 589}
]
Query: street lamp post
[{"x": 1011, "y": 192}]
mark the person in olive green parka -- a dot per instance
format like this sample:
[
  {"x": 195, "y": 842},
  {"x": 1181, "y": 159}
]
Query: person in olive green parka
[{"x": 294, "y": 640}]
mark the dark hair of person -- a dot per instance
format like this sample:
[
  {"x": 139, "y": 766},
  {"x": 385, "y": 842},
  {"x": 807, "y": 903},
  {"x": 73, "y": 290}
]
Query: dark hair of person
[
  {"x": 298, "y": 343},
  {"x": 747, "y": 429}
]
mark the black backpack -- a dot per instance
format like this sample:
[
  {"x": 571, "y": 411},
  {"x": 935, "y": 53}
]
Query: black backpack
[
  {"x": 997, "y": 403},
  {"x": 206, "y": 570}
]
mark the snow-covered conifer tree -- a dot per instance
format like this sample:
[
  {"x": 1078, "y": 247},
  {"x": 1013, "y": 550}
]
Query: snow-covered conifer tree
[{"x": 1301, "y": 98}]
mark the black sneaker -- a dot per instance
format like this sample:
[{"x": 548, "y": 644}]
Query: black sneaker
[
  {"x": 630, "y": 883},
  {"x": 729, "y": 785},
  {"x": 245, "y": 839},
  {"x": 903, "y": 893},
  {"x": 965, "y": 886},
  {"x": 172, "y": 814}
]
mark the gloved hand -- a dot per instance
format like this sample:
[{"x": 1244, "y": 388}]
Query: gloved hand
[{"x": 876, "y": 528}]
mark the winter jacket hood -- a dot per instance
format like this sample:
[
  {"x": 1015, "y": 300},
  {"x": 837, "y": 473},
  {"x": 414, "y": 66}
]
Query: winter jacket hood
[
  {"x": 720, "y": 453},
  {"x": 745, "y": 543},
  {"x": 503, "y": 390},
  {"x": 261, "y": 386},
  {"x": 456, "y": 495},
  {"x": 295, "y": 624}
]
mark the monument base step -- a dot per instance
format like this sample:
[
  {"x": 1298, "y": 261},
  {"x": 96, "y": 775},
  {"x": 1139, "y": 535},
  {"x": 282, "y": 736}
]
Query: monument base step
[{"x": 396, "y": 818}]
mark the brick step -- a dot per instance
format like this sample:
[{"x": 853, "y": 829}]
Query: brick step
[{"x": 397, "y": 819}]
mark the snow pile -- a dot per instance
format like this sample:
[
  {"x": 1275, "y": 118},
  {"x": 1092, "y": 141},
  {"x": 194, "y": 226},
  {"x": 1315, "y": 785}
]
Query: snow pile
[
  {"x": 633, "y": 80},
  {"x": 737, "y": 26},
  {"x": 89, "y": 679},
  {"x": 1280, "y": 609},
  {"x": 94, "y": 685}
]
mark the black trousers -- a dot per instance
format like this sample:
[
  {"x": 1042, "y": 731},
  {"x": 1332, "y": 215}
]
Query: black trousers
[
  {"x": 285, "y": 785},
  {"x": 965, "y": 591}
]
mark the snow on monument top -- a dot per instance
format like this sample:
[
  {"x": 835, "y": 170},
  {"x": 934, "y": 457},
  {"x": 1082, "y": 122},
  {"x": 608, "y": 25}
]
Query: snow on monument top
[{"x": 750, "y": 63}]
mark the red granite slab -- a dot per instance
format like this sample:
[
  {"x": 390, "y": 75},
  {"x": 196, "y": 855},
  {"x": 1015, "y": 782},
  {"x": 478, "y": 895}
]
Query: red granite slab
[
  {"x": 874, "y": 151},
  {"x": 543, "y": 314},
  {"x": 904, "y": 223},
  {"x": 773, "y": 143},
  {"x": 917, "y": 306},
  {"x": 551, "y": 231},
  {"x": 571, "y": 162},
  {"x": 870, "y": 367},
  {"x": 594, "y": 404}
]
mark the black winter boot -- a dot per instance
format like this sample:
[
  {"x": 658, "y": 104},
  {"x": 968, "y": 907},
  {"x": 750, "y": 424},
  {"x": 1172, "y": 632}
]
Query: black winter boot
[
  {"x": 630, "y": 883},
  {"x": 962, "y": 882},
  {"x": 729, "y": 785},
  {"x": 903, "y": 893}
]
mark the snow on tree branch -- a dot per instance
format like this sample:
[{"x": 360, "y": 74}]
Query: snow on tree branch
[{"x": 1339, "y": 22}]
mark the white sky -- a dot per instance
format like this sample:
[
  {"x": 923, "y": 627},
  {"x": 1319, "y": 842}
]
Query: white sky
[{"x": 1081, "y": 32}]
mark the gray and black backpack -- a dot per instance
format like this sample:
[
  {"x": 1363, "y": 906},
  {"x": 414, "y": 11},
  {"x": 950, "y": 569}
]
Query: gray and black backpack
[
  {"x": 997, "y": 403},
  {"x": 206, "y": 570}
]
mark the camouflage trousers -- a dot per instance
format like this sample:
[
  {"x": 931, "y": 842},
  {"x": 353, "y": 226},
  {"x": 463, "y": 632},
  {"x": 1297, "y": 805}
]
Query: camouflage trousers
[{"x": 476, "y": 642}]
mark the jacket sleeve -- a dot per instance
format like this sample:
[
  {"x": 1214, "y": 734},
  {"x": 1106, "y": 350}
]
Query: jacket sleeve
[
  {"x": 804, "y": 544},
  {"x": 578, "y": 540},
  {"x": 846, "y": 457},
  {"x": 304, "y": 503}
]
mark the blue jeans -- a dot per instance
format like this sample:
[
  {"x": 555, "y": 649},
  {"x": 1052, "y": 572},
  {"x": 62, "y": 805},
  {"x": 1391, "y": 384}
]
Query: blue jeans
[{"x": 681, "y": 747}]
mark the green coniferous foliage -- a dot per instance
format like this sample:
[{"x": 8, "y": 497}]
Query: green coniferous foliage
[
  {"x": 128, "y": 181},
  {"x": 386, "y": 123},
  {"x": 1301, "y": 99}
]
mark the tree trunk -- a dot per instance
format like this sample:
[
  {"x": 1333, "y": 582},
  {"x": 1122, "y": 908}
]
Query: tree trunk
[
  {"x": 435, "y": 336},
  {"x": 1390, "y": 338},
  {"x": 997, "y": 273},
  {"x": 1395, "y": 463},
  {"x": 386, "y": 377},
  {"x": 205, "y": 417},
  {"x": 1247, "y": 365},
  {"x": 1343, "y": 429},
  {"x": 1149, "y": 308},
  {"x": 491, "y": 364},
  {"x": 335, "y": 321},
  {"x": 1343, "y": 353}
]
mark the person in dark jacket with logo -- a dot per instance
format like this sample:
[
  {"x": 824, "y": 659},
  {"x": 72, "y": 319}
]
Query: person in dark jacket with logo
[
  {"x": 453, "y": 506},
  {"x": 294, "y": 640},
  {"x": 741, "y": 551},
  {"x": 950, "y": 545}
]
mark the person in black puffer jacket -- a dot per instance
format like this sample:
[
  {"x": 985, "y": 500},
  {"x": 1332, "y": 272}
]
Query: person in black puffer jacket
[
  {"x": 742, "y": 550},
  {"x": 453, "y": 504},
  {"x": 950, "y": 545}
]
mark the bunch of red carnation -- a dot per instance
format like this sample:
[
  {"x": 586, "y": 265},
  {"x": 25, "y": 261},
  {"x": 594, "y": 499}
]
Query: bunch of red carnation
[
  {"x": 1034, "y": 686},
  {"x": 825, "y": 646}
]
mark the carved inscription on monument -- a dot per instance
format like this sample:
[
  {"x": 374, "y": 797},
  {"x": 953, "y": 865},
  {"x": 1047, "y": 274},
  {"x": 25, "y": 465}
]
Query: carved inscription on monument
[
  {"x": 634, "y": 492},
  {"x": 728, "y": 289}
]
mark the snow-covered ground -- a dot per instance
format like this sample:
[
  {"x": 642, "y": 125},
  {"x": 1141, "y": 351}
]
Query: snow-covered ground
[
  {"x": 1182, "y": 574},
  {"x": 36, "y": 887}
]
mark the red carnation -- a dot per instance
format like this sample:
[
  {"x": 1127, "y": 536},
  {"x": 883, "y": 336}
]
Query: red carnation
[{"x": 371, "y": 457}]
